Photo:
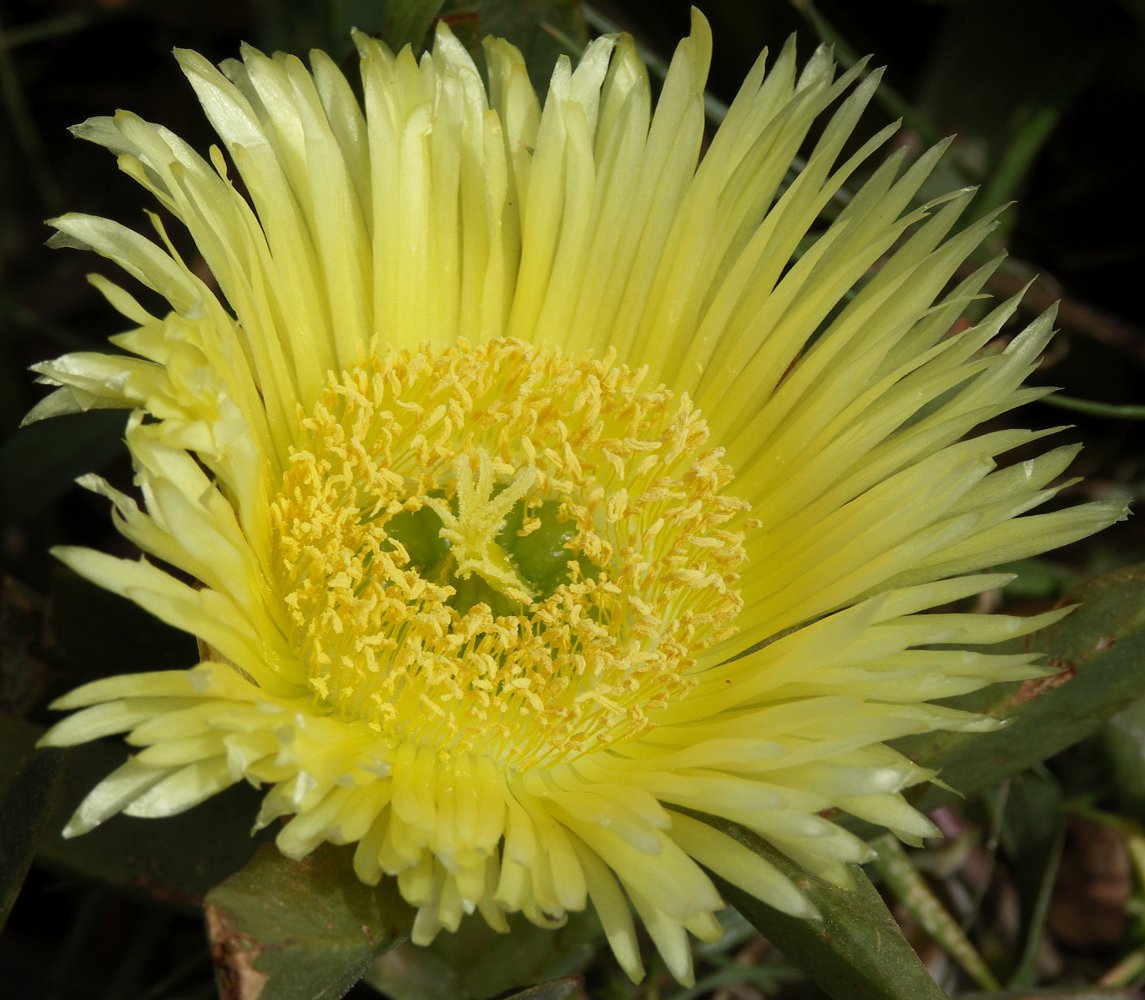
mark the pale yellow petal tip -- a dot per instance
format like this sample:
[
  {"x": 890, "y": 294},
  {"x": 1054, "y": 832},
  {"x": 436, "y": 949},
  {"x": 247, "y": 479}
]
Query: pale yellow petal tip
[
  {"x": 700, "y": 42},
  {"x": 67, "y": 553},
  {"x": 50, "y": 739},
  {"x": 76, "y": 828},
  {"x": 700, "y": 27},
  {"x": 631, "y": 963},
  {"x": 443, "y": 34},
  {"x": 807, "y": 910},
  {"x": 980, "y": 724},
  {"x": 682, "y": 970},
  {"x": 57, "y": 404},
  {"x": 59, "y": 222}
]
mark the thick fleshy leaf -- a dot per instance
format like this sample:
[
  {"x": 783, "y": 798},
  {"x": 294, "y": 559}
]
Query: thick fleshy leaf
[
  {"x": 1123, "y": 742},
  {"x": 42, "y": 461},
  {"x": 97, "y": 633},
  {"x": 856, "y": 952},
  {"x": 556, "y": 990},
  {"x": 1027, "y": 97},
  {"x": 1056, "y": 993},
  {"x": 914, "y": 894},
  {"x": 288, "y": 930},
  {"x": 28, "y": 783},
  {"x": 1032, "y": 834},
  {"x": 407, "y": 22},
  {"x": 476, "y": 962},
  {"x": 1097, "y": 652},
  {"x": 25, "y": 655},
  {"x": 299, "y": 27},
  {"x": 176, "y": 861},
  {"x": 541, "y": 29},
  {"x": 91, "y": 633}
]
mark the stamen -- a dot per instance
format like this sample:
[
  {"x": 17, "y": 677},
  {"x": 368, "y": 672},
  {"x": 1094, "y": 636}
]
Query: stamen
[{"x": 504, "y": 550}]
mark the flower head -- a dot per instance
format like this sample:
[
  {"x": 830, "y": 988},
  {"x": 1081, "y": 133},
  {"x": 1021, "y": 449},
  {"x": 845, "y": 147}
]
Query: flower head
[{"x": 546, "y": 486}]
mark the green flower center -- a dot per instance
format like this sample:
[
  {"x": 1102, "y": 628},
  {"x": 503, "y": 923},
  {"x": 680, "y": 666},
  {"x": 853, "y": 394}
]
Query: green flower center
[{"x": 518, "y": 568}]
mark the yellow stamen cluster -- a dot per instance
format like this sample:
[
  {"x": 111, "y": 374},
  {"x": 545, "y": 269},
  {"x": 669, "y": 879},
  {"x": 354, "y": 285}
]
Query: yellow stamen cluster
[{"x": 505, "y": 549}]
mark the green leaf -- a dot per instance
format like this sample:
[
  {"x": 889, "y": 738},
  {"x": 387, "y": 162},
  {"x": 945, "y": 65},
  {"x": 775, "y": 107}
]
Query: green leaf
[
  {"x": 1032, "y": 835},
  {"x": 856, "y": 952},
  {"x": 25, "y": 670},
  {"x": 476, "y": 962},
  {"x": 91, "y": 633},
  {"x": 1123, "y": 758},
  {"x": 288, "y": 930},
  {"x": 1096, "y": 408},
  {"x": 41, "y": 461},
  {"x": 978, "y": 81},
  {"x": 97, "y": 633},
  {"x": 557, "y": 990},
  {"x": 25, "y": 804},
  {"x": 1097, "y": 650},
  {"x": 541, "y": 29},
  {"x": 1058, "y": 993},
  {"x": 174, "y": 861},
  {"x": 917, "y": 898},
  {"x": 407, "y": 22},
  {"x": 1037, "y": 579},
  {"x": 303, "y": 25}
]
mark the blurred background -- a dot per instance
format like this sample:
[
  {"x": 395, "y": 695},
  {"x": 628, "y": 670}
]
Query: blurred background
[{"x": 1047, "y": 98}]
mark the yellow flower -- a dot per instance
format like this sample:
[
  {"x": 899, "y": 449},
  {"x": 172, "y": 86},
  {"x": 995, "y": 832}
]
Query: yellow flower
[{"x": 545, "y": 485}]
